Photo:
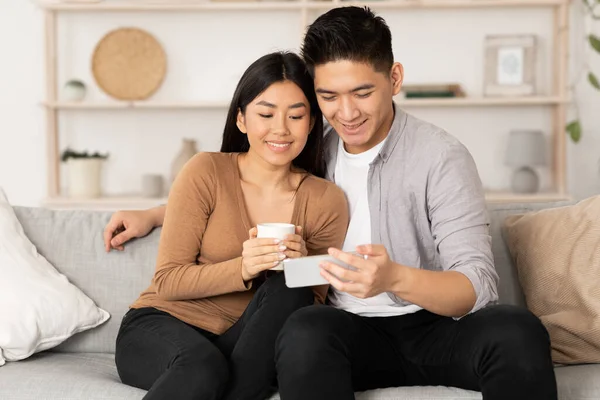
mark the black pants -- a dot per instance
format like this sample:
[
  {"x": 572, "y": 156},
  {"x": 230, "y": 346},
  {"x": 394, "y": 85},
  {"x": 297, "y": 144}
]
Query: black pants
[
  {"x": 173, "y": 360},
  {"x": 327, "y": 353}
]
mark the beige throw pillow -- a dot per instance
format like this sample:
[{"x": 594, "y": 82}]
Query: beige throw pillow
[{"x": 557, "y": 254}]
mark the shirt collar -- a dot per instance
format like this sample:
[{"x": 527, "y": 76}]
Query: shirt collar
[{"x": 396, "y": 130}]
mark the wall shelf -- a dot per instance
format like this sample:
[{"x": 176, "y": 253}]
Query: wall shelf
[
  {"x": 150, "y": 105},
  {"x": 133, "y": 202},
  {"x": 430, "y": 102},
  {"x": 557, "y": 98},
  {"x": 507, "y": 197},
  {"x": 284, "y": 5},
  {"x": 129, "y": 202}
]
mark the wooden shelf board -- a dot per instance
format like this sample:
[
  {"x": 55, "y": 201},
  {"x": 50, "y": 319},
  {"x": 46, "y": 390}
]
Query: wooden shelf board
[
  {"x": 432, "y": 102},
  {"x": 136, "y": 105},
  {"x": 416, "y": 4},
  {"x": 103, "y": 203},
  {"x": 481, "y": 101},
  {"x": 128, "y": 5},
  {"x": 507, "y": 197},
  {"x": 138, "y": 202}
]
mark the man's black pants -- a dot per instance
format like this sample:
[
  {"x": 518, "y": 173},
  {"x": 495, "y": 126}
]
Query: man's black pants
[{"x": 327, "y": 353}]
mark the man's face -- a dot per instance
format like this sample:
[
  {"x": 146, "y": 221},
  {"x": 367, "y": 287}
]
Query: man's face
[{"x": 357, "y": 101}]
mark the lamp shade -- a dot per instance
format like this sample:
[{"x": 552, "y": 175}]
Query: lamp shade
[{"x": 526, "y": 148}]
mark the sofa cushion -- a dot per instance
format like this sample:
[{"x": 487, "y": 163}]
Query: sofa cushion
[
  {"x": 88, "y": 376},
  {"x": 557, "y": 253},
  {"x": 509, "y": 290},
  {"x": 63, "y": 376},
  {"x": 578, "y": 382},
  {"x": 72, "y": 242}
]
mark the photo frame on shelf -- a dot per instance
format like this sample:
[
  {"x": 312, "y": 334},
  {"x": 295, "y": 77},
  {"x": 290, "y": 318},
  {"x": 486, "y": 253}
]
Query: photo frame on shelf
[{"x": 510, "y": 65}]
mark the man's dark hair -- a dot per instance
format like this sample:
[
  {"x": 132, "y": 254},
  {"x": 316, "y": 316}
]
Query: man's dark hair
[{"x": 349, "y": 33}]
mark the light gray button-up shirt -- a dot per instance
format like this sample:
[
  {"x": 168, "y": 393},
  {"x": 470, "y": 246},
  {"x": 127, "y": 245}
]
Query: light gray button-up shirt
[{"x": 427, "y": 203}]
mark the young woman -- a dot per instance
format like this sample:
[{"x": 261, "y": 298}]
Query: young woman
[{"x": 206, "y": 326}]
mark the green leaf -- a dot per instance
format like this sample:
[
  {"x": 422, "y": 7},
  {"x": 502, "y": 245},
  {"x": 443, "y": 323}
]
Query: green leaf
[
  {"x": 593, "y": 80},
  {"x": 574, "y": 130},
  {"x": 595, "y": 42}
]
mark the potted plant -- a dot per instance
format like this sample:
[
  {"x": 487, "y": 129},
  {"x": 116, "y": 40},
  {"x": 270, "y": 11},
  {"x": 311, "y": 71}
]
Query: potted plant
[
  {"x": 84, "y": 172},
  {"x": 592, "y": 11}
]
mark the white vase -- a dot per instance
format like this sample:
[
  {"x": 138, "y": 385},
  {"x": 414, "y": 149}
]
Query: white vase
[
  {"x": 187, "y": 151},
  {"x": 85, "y": 177}
]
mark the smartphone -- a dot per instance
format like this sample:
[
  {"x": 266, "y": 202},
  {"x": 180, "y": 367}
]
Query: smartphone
[{"x": 305, "y": 271}]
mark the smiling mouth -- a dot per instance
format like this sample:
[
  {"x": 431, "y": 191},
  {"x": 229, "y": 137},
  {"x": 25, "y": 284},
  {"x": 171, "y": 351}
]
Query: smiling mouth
[
  {"x": 280, "y": 145},
  {"x": 355, "y": 126}
]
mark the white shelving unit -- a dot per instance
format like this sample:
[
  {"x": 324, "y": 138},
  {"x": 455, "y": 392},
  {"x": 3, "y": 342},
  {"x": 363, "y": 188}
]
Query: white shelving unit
[
  {"x": 448, "y": 102},
  {"x": 166, "y": 5},
  {"x": 557, "y": 101}
]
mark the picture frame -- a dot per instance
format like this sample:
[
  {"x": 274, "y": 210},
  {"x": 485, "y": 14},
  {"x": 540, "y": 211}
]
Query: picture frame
[{"x": 510, "y": 65}]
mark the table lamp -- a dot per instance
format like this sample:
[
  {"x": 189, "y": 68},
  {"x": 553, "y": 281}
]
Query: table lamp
[{"x": 526, "y": 148}]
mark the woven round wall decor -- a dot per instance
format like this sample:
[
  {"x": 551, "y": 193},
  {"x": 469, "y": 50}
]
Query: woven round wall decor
[{"x": 129, "y": 64}]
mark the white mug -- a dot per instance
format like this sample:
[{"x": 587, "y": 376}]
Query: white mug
[{"x": 275, "y": 231}]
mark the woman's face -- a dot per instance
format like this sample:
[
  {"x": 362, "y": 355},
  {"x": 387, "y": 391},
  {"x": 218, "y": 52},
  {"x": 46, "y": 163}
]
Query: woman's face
[{"x": 277, "y": 123}]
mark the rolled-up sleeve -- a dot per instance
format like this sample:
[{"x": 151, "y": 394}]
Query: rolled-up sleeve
[{"x": 460, "y": 222}]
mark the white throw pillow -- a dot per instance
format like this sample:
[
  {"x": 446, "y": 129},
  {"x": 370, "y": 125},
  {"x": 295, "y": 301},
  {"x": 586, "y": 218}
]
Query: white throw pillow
[{"x": 39, "y": 307}]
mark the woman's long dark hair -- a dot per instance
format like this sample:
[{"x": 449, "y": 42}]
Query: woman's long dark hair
[{"x": 269, "y": 69}]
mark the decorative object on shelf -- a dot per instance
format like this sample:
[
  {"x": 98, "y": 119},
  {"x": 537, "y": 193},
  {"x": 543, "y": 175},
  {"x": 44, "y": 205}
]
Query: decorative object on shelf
[
  {"x": 510, "y": 65},
  {"x": 152, "y": 185},
  {"x": 84, "y": 172},
  {"x": 433, "y": 90},
  {"x": 187, "y": 151},
  {"x": 74, "y": 91},
  {"x": 526, "y": 149},
  {"x": 129, "y": 64}
]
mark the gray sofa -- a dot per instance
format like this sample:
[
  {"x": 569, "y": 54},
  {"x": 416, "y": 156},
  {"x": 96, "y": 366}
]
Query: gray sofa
[{"x": 83, "y": 367}]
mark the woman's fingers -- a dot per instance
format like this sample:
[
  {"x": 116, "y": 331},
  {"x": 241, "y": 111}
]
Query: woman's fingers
[
  {"x": 293, "y": 238},
  {"x": 262, "y": 250},
  {"x": 292, "y": 254},
  {"x": 265, "y": 267},
  {"x": 296, "y": 246},
  {"x": 252, "y": 233},
  {"x": 270, "y": 258}
]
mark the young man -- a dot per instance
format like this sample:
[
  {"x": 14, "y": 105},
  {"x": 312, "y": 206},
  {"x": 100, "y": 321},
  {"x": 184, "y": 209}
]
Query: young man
[{"x": 414, "y": 310}]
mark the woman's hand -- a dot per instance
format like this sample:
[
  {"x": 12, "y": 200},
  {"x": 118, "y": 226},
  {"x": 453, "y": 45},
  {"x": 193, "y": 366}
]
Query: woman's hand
[
  {"x": 296, "y": 246},
  {"x": 126, "y": 225},
  {"x": 261, "y": 254}
]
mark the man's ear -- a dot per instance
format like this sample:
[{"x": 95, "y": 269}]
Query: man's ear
[
  {"x": 241, "y": 122},
  {"x": 397, "y": 76},
  {"x": 312, "y": 125}
]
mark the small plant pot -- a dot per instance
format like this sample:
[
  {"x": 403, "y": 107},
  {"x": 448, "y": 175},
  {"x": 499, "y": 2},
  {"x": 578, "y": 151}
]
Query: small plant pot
[
  {"x": 74, "y": 91},
  {"x": 85, "y": 178}
]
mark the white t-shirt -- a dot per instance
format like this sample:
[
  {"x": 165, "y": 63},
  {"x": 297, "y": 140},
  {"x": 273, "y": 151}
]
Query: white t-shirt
[{"x": 351, "y": 174}]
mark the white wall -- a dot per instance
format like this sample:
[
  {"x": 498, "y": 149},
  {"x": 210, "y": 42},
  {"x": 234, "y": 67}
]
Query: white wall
[
  {"x": 22, "y": 140},
  {"x": 207, "y": 53}
]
